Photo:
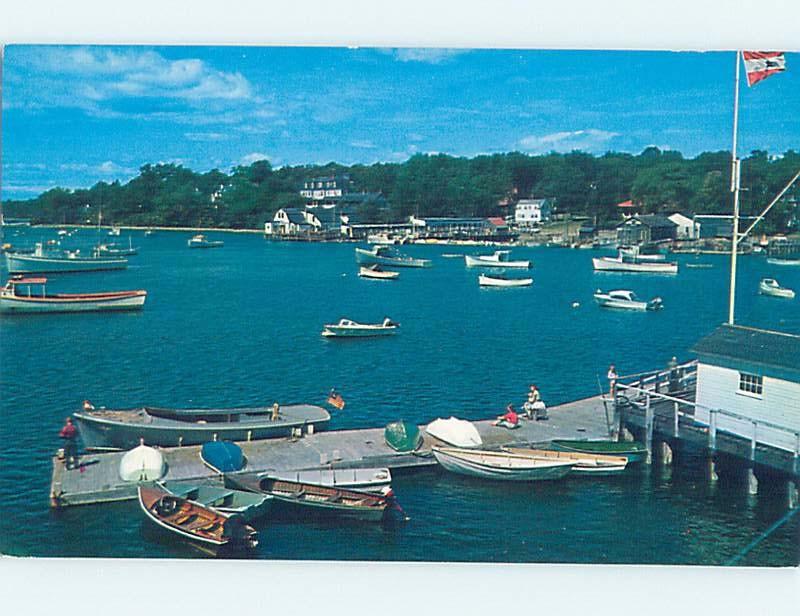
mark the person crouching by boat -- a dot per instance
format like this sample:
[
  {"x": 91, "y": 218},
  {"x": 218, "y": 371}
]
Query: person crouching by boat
[
  {"x": 510, "y": 420},
  {"x": 70, "y": 435}
]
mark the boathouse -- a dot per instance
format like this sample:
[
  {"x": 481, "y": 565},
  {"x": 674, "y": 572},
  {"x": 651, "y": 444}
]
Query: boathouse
[
  {"x": 288, "y": 221},
  {"x": 686, "y": 228},
  {"x": 644, "y": 228},
  {"x": 749, "y": 380}
]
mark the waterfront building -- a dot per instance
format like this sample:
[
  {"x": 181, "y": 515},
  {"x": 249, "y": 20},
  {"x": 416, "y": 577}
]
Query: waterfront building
[
  {"x": 686, "y": 228},
  {"x": 460, "y": 228},
  {"x": 325, "y": 190},
  {"x": 288, "y": 221},
  {"x": 531, "y": 212},
  {"x": 752, "y": 376},
  {"x": 644, "y": 228}
]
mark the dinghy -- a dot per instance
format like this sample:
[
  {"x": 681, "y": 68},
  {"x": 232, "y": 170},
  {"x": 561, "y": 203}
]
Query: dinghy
[
  {"x": 594, "y": 464},
  {"x": 770, "y": 286},
  {"x": 374, "y": 272},
  {"x": 501, "y": 281},
  {"x": 366, "y": 479},
  {"x": 634, "y": 452},
  {"x": 454, "y": 431},
  {"x": 402, "y": 436},
  {"x": 247, "y": 504},
  {"x": 142, "y": 463},
  {"x": 500, "y": 465},
  {"x": 222, "y": 456}
]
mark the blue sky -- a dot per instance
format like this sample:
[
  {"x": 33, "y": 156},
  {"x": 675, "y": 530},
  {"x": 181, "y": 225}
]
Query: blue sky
[{"x": 76, "y": 115}]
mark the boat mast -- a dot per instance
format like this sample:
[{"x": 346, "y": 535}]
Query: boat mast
[{"x": 735, "y": 185}]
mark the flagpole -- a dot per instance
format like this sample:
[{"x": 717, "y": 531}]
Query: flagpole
[{"x": 735, "y": 184}]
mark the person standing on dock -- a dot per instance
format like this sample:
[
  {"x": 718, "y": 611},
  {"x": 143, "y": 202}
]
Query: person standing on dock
[
  {"x": 276, "y": 412},
  {"x": 612, "y": 382},
  {"x": 70, "y": 434}
]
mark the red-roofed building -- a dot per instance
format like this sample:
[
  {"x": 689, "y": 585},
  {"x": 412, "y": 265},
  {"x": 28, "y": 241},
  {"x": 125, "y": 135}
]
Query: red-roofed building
[{"x": 627, "y": 204}]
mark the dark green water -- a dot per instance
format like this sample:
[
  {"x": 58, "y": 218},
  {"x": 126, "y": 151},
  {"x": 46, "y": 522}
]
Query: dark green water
[{"x": 240, "y": 325}]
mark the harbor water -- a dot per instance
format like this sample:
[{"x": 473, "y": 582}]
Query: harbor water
[{"x": 241, "y": 326}]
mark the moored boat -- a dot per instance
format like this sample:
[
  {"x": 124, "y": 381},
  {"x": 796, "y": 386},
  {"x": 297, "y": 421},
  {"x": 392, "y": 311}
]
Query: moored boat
[
  {"x": 142, "y": 463},
  {"x": 783, "y": 261},
  {"x": 17, "y": 296},
  {"x": 501, "y": 281},
  {"x": 222, "y": 456},
  {"x": 770, "y": 286},
  {"x": 114, "y": 250},
  {"x": 500, "y": 465},
  {"x": 454, "y": 431},
  {"x": 347, "y": 328},
  {"x": 626, "y": 264},
  {"x": 640, "y": 253},
  {"x": 626, "y": 300},
  {"x": 634, "y": 452},
  {"x": 386, "y": 255},
  {"x": 402, "y": 436},
  {"x": 227, "y": 500},
  {"x": 43, "y": 261},
  {"x": 193, "y": 522},
  {"x": 588, "y": 463},
  {"x": 363, "y": 479},
  {"x": 200, "y": 241},
  {"x": 108, "y": 429},
  {"x": 354, "y": 504},
  {"x": 499, "y": 259},
  {"x": 375, "y": 272}
]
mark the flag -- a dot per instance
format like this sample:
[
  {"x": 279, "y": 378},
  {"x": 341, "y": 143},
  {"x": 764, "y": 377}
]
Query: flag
[
  {"x": 761, "y": 64},
  {"x": 336, "y": 400}
]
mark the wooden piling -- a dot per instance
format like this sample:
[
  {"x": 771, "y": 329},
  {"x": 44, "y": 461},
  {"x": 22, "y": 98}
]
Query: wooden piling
[{"x": 648, "y": 419}]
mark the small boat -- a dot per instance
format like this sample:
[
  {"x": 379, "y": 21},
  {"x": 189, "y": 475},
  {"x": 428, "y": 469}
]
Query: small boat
[
  {"x": 211, "y": 529},
  {"x": 347, "y": 328},
  {"x": 366, "y": 479},
  {"x": 402, "y": 436},
  {"x": 17, "y": 296},
  {"x": 638, "y": 253},
  {"x": 386, "y": 255},
  {"x": 108, "y": 429},
  {"x": 222, "y": 456},
  {"x": 115, "y": 231},
  {"x": 249, "y": 505},
  {"x": 142, "y": 463},
  {"x": 149, "y": 232},
  {"x": 114, "y": 250},
  {"x": 348, "y": 503},
  {"x": 375, "y": 272},
  {"x": 502, "y": 281},
  {"x": 783, "y": 261},
  {"x": 594, "y": 464},
  {"x": 635, "y": 452},
  {"x": 43, "y": 261},
  {"x": 385, "y": 239},
  {"x": 63, "y": 232},
  {"x": 770, "y": 286},
  {"x": 454, "y": 431},
  {"x": 200, "y": 241},
  {"x": 500, "y": 465},
  {"x": 626, "y": 300},
  {"x": 626, "y": 264},
  {"x": 699, "y": 265},
  {"x": 500, "y": 258}
]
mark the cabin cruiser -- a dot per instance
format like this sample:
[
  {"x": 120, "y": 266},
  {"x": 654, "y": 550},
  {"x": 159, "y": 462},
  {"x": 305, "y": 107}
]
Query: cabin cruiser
[
  {"x": 347, "y": 328},
  {"x": 622, "y": 298},
  {"x": 386, "y": 255},
  {"x": 770, "y": 286}
]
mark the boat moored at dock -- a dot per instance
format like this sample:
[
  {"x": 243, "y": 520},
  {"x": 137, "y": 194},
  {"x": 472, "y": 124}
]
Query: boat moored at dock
[
  {"x": 498, "y": 259},
  {"x": 347, "y": 328},
  {"x": 17, "y": 296},
  {"x": 585, "y": 463},
  {"x": 770, "y": 286},
  {"x": 454, "y": 431},
  {"x": 634, "y": 452},
  {"x": 247, "y": 504},
  {"x": 627, "y": 264},
  {"x": 625, "y": 300},
  {"x": 107, "y": 429},
  {"x": 386, "y": 255},
  {"x": 366, "y": 479},
  {"x": 43, "y": 261},
  {"x": 402, "y": 436},
  {"x": 501, "y": 465}
]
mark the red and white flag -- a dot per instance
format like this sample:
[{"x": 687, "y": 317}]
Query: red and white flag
[{"x": 761, "y": 64}]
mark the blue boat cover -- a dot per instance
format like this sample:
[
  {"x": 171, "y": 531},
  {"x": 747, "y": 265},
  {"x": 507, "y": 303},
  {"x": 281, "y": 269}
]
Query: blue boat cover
[{"x": 223, "y": 456}]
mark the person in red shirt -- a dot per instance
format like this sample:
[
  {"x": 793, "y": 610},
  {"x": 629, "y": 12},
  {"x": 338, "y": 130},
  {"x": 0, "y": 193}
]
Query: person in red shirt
[
  {"x": 510, "y": 420},
  {"x": 70, "y": 434}
]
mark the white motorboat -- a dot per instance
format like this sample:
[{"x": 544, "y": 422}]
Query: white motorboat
[
  {"x": 770, "y": 286},
  {"x": 385, "y": 239},
  {"x": 115, "y": 231},
  {"x": 200, "y": 241},
  {"x": 385, "y": 255},
  {"x": 501, "y": 281},
  {"x": 18, "y": 296},
  {"x": 501, "y": 465},
  {"x": 454, "y": 431},
  {"x": 627, "y": 300},
  {"x": 500, "y": 258},
  {"x": 635, "y": 252},
  {"x": 347, "y": 328},
  {"x": 375, "y": 272},
  {"x": 626, "y": 264},
  {"x": 588, "y": 463},
  {"x": 44, "y": 260},
  {"x": 783, "y": 261}
]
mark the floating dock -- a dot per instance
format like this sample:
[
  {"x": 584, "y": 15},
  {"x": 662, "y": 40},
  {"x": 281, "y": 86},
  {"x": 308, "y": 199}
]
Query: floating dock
[{"x": 97, "y": 480}]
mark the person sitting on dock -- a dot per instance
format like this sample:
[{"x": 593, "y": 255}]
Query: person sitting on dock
[
  {"x": 510, "y": 420},
  {"x": 69, "y": 433},
  {"x": 534, "y": 407},
  {"x": 276, "y": 412}
]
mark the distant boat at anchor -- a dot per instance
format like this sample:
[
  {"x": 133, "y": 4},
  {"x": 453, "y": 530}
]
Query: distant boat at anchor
[
  {"x": 627, "y": 264},
  {"x": 498, "y": 259},
  {"x": 42, "y": 261},
  {"x": 200, "y": 241},
  {"x": 13, "y": 299},
  {"x": 626, "y": 300},
  {"x": 386, "y": 255},
  {"x": 347, "y": 328},
  {"x": 502, "y": 281},
  {"x": 770, "y": 286},
  {"x": 375, "y": 272}
]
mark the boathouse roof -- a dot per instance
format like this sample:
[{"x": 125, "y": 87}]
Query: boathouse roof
[{"x": 739, "y": 347}]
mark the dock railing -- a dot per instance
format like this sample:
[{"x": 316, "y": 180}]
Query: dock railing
[{"x": 677, "y": 384}]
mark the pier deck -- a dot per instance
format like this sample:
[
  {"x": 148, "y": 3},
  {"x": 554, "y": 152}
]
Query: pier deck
[{"x": 97, "y": 479}]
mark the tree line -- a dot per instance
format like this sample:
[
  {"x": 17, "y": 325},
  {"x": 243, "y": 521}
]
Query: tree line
[{"x": 432, "y": 185}]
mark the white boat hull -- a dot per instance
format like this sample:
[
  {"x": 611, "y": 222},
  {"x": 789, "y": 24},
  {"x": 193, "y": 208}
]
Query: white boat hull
[
  {"x": 365, "y": 331},
  {"x": 493, "y": 262},
  {"x": 32, "y": 264},
  {"x": 776, "y": 292},
  {"x": 366, "y": 272},
  {"x": 499, "y": 466},
  {"x": 606, "y": 264},
  {"x": 783, "y": 261},
  {"x": 40, "y": 305},
  {"x": 369, "y": 479},
  {"x": 488, "y": 281}
]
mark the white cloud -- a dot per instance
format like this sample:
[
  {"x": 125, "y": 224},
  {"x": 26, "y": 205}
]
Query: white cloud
[
  {"x": 588, "y": 140},
  {"x": 206, "y": 136},
  {"x": 428, "y": 55},
  {"x": 249, "y": 159},
  {"x": 365, "y": 143},
  {"x": 105, "y": 168}
]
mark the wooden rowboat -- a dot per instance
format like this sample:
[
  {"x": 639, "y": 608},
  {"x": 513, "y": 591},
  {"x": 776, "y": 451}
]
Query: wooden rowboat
[
  {"x": 210, "y": 529},
  {"x": 595, "y": 464},
  {"x": 353, "y": 504},
  {"x": 500, "y": 465},
  {"x": 635, "y": 452},
  {"x": 374, "y": 272}
]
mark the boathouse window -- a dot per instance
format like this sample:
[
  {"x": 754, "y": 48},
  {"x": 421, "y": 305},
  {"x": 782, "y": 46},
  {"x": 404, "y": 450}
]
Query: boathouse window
[{"x": 751, "y": 383}]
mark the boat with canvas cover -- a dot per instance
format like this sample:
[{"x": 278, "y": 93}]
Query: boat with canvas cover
[
  {"x": 111, "y": 429},
  {"x": 633, "y": 451},
  {"x": 354, "y": 504},
  {"x": 626, "y": 264},
  {"x": 366, "y": 479},
  {"x": 209, "y": 529},
  {"x": 200, "y": 241},
  {"x": 222, "y": 456},
  {"x": 454, "y": 431},
  {"x": 375, "y": 272},
  {"x": 249, "y": 505},
  {"x": 770, "y": 286},
  {"x": 347, "y": 328},
  {"x": 402, "y": 436},
  {"x": 18, "y": 296},
  {"x": 500, "y": 465},
  {"x": 386, "y": 255},
  {"x": 626, "y": 300},
  {"x": 590, "y": 464},
  {"x": 502, "y": 281},
  {"x": 142, "y": 463},
  {"x": 42, "y": 261},
  {"x": 498, "y": 259}
]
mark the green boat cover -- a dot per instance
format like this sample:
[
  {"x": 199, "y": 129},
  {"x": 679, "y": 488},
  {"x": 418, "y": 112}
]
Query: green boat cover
[{"x": 402, "y": 436}]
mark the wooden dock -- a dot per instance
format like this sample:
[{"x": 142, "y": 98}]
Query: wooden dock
[{"x": 97, "y": 480}]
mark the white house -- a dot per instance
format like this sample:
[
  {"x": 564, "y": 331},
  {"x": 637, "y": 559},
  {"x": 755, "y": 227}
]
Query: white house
[
  {"x": 754, "y": 374},
  {"x": 529, "y": 212},
  {"x": 287, "y": 221},
  {"x": 687, "y": 229}
]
